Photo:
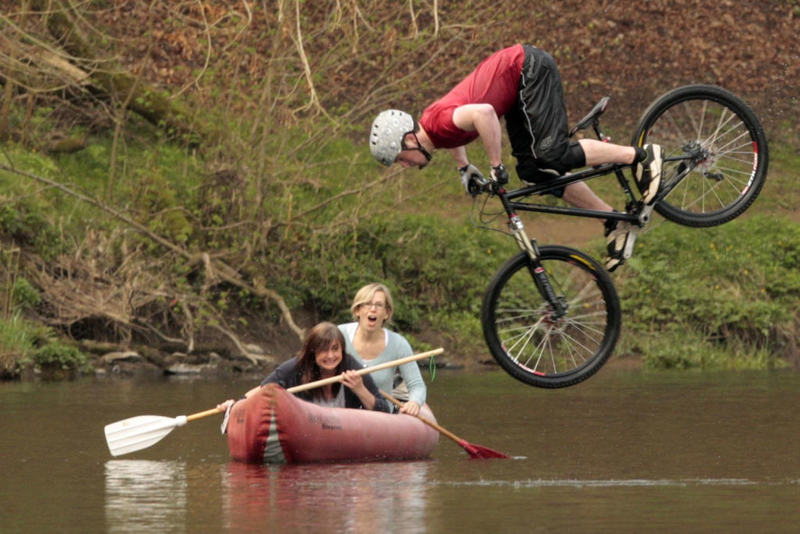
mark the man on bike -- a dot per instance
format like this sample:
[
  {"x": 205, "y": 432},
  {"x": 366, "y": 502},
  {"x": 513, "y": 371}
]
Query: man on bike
[{"x": 522, "y": 84}]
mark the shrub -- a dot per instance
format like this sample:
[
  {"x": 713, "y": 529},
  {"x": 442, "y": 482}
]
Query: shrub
[
  {"x": 25, "y": 295},
  {"x": 433, "y": 267},
  {"x": 18, "y": 339},
  {"x": 26, "y": 222},
  {"x": 56, "y": 356}
]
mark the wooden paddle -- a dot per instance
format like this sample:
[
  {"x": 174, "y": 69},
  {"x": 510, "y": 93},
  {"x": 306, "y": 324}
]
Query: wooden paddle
[
  {"x": 474, "y": 451},
  {"x": 137, "y": 433}
]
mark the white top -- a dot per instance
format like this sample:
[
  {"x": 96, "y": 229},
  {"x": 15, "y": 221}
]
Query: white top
[
  {"x": 336, "y": 402},
  {"x": 396, "y": 347}
]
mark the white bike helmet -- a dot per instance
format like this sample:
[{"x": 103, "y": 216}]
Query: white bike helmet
[{"x": 386, "y": 136}]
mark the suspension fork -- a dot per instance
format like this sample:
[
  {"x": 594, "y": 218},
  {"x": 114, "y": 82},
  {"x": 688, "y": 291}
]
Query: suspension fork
[{"x": 538, "y": 273}]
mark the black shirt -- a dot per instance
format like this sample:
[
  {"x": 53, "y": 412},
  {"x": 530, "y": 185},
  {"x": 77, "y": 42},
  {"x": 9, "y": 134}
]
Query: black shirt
[{"x": 287, "y": 376}]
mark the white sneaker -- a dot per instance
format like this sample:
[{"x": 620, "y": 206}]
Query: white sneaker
[
  {"x": 647, "y": 173},
  {"x": 616, "y": 241}
]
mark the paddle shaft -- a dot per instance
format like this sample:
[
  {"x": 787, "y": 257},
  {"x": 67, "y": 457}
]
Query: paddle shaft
[
  {"x": 337, "y": 378},
  {"x": 428, "y": 422},
  {"x": 200, "y": 415},
  {"x": 366, "y": 370},
  {"x": 474, "y": 451}
]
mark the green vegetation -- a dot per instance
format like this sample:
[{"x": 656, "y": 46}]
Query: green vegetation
[
  {"x": 438, "y": 269},
  {"x": 55, "y": 357},
  {"x": 17, "y": 338},
  {"x": 717, "y": 297},
  {"x": 24, "y": 342},
  {"x": 727, "y": 296}
]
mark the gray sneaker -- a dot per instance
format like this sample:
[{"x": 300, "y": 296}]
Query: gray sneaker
[{"x": 647, "y": 173}]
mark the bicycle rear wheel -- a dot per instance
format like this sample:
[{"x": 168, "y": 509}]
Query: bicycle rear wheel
[
  {"x": 529, "y": 342},
  {"x": 729, "y": 149}
]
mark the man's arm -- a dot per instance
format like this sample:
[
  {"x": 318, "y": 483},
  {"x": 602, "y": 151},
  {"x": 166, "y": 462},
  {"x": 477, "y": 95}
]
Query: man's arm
[
  {"x": 460, "y": 155},
  {"x": 483, "y": 119}
]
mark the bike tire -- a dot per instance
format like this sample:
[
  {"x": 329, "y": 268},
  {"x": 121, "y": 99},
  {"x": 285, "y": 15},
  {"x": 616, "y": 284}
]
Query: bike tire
[
  {"x": 521, "y": 333},
  {"x": 726, "y": 182}
]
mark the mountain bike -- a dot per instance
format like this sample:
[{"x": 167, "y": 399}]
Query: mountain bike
[{"x": 551, "y": 315}]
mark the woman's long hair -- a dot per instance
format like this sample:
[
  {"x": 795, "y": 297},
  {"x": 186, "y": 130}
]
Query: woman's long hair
[{"x": 318, "y": 339}]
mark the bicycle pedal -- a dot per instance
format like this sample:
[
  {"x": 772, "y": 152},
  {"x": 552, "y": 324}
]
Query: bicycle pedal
[{"x": 627, "y": 252}]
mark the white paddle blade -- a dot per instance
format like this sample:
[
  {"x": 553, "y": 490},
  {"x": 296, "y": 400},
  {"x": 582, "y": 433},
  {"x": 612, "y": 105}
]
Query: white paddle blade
[{"x": 140, "y": 432}]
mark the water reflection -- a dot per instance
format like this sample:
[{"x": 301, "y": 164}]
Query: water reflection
[
  {"x": 619, "y": 483},
  {"x": 144, "y": 495},
  {"x": 375, "y": 497}
]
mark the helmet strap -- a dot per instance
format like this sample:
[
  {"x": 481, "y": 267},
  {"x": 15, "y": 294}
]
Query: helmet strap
[
  {"x": 418, "y": 147},
  {"x": 424, "y": 152}
]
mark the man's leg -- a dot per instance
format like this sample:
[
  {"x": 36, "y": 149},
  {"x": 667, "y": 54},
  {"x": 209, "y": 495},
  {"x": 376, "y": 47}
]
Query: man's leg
[
  {"x": 581, "y": 196},
  {"x": 648, "y": 163},
  {"x": 598, "y": 152},
  {"x": 617, "y": 233},
  {"x": 537, "y": 129}
]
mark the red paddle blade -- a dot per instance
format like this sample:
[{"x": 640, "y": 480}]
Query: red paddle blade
[{"x": 476, "y": 451}]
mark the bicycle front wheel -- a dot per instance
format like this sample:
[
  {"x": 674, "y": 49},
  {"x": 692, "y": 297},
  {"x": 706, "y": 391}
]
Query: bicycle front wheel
[
  {"x": 712, "y": 130},
  {"x": 529, "y": 341}
]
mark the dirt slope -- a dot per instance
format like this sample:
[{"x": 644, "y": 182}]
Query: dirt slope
[{"x": 632, "y": 51}]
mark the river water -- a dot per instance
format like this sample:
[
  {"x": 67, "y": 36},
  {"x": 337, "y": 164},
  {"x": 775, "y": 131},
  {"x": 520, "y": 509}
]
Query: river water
[{"x": 625, "y": 451}]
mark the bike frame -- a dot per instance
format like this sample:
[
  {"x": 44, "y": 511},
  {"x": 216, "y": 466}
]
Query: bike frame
[
  {"x": 511, "y": 205},
  {"x": 636, "y": 213},
  {"x": 508, "y": 198}
]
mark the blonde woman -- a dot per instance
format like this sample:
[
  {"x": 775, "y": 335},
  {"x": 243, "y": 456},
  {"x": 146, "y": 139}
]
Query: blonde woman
[{"x": 369, "y": 342}]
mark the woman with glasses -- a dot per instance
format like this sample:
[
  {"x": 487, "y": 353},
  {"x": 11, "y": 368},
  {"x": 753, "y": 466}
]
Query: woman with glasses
[{"x": 369, "y": 342}]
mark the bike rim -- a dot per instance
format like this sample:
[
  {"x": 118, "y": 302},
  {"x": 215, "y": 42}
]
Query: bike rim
[
  {"x": 537, "y": 343},
  {"x": 723, "y": 176}
]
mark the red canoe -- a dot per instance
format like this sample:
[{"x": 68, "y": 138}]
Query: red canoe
[{"x": 274, "y": 426}]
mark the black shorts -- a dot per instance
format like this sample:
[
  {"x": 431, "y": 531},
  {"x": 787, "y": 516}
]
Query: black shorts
[{"x": 537, "y": 125}]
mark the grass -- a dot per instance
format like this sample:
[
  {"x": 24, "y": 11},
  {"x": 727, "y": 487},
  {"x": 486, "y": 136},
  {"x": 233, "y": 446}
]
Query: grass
[{"x": 17, "y": 342}]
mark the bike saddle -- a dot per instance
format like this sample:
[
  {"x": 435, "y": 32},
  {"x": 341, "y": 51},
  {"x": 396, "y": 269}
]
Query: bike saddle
[{"x": 597, "y": 110}]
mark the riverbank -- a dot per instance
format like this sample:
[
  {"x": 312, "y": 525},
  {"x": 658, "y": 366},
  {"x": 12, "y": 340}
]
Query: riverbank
[
  {"x": 142, "y": 234},
  {"x": 132, "y": 361}
]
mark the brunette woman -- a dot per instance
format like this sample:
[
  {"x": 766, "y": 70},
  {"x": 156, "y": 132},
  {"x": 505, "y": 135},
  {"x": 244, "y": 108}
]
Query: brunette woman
[{"x": 323, "y": 356}]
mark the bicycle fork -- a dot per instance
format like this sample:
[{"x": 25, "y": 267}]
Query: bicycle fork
[{"x": 538, "y": 273}]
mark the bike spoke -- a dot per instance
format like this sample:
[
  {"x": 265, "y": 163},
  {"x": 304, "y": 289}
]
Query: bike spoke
[
  {"x": 714, "y": 136},
  {"x": 546, "y": 342},
  {"x": 544, "y": 345}
]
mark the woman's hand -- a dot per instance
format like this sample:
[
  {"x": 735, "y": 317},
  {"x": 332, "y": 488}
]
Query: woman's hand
[
  {"x": 228, "y": 403},
  {"x": 354, "y": 381},
  {"x": 411, "y": 408}
]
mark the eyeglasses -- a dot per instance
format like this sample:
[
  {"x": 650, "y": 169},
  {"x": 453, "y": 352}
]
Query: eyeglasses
[{"x": 378, "y": 305}]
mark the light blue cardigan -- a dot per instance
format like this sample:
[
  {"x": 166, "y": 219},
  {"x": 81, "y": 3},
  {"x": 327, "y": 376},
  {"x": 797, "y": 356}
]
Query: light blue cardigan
[{"x": 396, "y": 347}]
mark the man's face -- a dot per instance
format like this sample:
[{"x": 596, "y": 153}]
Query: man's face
[
  {"x": 411, "y": 155},
  {"x": 411, "y": 158}
]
